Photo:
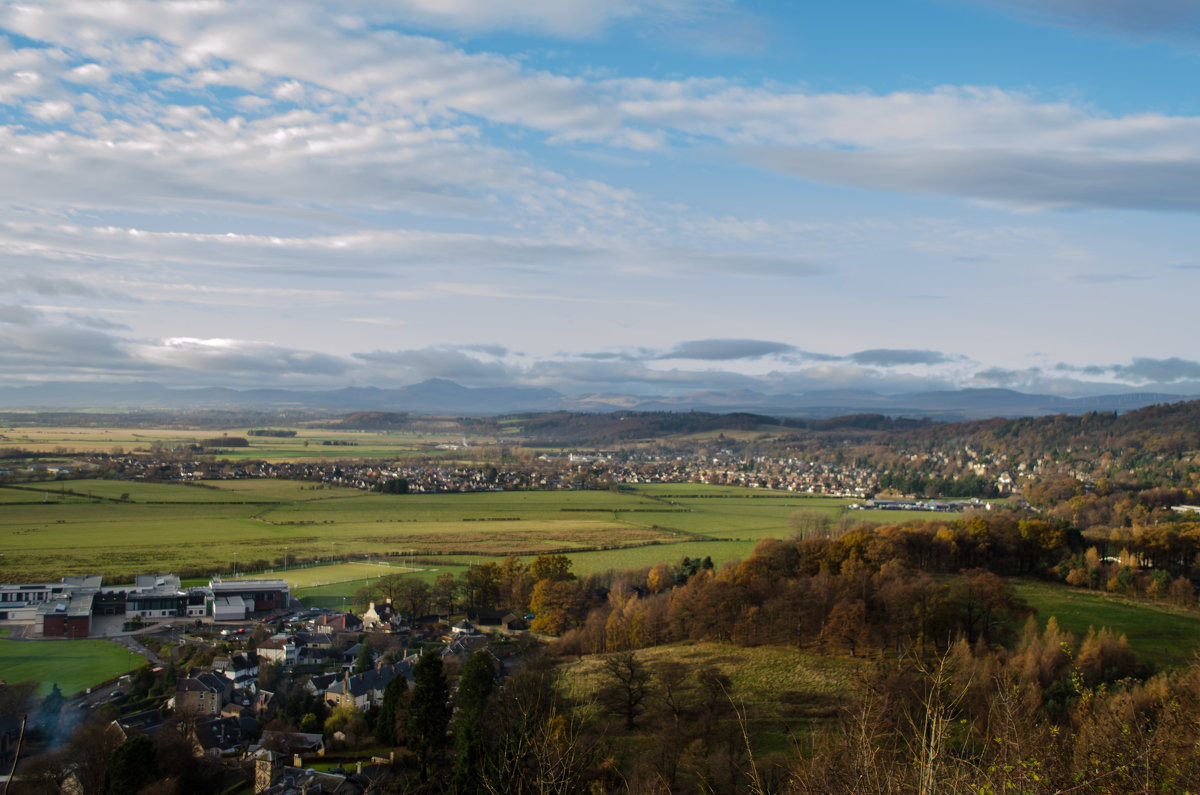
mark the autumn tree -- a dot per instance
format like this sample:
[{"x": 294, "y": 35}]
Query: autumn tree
[
  {"x": 555, "y": 605},
  {"x": 516, "y": 582},
  {"x": 847, "y": 625},
  {"x": 412, "y": 596},
  {"x": 481, "y": 586},
  {"x": 984, "y": 604},
  {"x": 551, "y": 567},
  {"x": 445, "y": 589},
  {"x": 660, "y": 578}
]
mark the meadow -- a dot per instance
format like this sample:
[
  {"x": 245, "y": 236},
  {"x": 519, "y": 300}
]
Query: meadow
[
  {"x": 781, "y": 693},
  {"x": 121, "y": 528},
  {"x": 1160, "y": 635}
]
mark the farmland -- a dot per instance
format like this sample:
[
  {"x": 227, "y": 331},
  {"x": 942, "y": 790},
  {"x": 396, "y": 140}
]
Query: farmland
[
  {"x": 306, "y": 445},
  {"x": 120, "y": 528}
]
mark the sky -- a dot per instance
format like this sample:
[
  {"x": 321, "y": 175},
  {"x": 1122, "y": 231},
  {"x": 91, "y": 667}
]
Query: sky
[{"x": 594, "y": 196}]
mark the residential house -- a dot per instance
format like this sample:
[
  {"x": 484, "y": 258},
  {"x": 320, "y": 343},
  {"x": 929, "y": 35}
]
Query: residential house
[
  {"x": 222, "y": 736},
  {"x": 338, "y": 622},
  {"x": 293, "y": 743},
  {"x": 350, "y": 655},
  {"x": 203, "y": 694},
  {"x": 273, "y": 776},
  {"x": 313, "y": 646},
  {"x": 279, "y": 649},
  {"x": 146, "y": 722},
  {"x": 464, "y": 627},
  {"x": 239, "y": 669},
  {"x": 378, "y": 617},
  {"x": 365, "y": 690}
]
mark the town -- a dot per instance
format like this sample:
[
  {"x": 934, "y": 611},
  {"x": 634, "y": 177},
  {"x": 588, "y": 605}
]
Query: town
[{"x": 215, "y": 658}]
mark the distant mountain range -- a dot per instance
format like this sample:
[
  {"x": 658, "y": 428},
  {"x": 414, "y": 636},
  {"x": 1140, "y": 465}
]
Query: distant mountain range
[{"x": 443, "y": 397}]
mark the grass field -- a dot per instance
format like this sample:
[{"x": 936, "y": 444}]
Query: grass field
[
  {"x": 73, "y": 665},
  {"x": 119, "y": 528},
  {"x": 312, "y": 576},
  {"x": 1160, "y": 635},
  {"x": 780, "y": 691}
]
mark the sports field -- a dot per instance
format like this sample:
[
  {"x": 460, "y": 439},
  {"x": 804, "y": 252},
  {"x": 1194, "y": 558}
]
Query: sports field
[
  {"x": 71, "y": 664},
  {"x": 330, "y": 574}
]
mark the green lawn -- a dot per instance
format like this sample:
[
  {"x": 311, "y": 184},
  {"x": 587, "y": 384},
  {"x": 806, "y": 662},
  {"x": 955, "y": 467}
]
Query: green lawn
[
  {"x": 73, "y": 665},
  {"x": 1158, "y": 634},
  {"x": 341, "y": 594}
]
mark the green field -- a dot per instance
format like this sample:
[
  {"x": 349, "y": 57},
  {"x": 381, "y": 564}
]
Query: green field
[
  {"x": 312, "y": 576},
  {"x": 1160, "y": 635},
  {"x": 120, "y": 528},
  {"x": 73, "y": 665},
  {"x": 779, "y": 691}
]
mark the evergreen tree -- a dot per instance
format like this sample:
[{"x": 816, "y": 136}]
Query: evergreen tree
[
  {"x": 428, "y": 710},
  {"x": 53, "y": 702},
  {"x": 474, "y": 687},
  {"x": 365, "y": 660},
  {"x": 387, "y": 722},
  {"x": 132, "y": 766}
]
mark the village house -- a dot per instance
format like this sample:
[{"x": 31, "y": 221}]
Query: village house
[
  {"x": 239, "y": 669},
  {"x": 365, "y": 690},
  {"x": 203, "y": 694},
  {"x": 278, "y": 649}
]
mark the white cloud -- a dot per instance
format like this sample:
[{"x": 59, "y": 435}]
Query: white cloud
[
  {"x": 239, "y": 357},
  {"x": 390, "y": 120}
]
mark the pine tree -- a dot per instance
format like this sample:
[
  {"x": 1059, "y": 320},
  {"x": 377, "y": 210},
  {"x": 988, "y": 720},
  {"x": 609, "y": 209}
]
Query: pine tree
[
  {"x": 429, "y": 710},
  {"x": 387, "y": 722},
  {"x": 474, "y": 687}
]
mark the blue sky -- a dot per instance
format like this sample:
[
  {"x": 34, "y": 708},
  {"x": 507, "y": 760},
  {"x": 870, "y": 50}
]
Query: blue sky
[{"x": 646, "y": 196}]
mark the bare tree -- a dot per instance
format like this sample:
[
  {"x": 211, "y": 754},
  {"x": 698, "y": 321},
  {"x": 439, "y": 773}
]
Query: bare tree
[{"x": 626, "y": 683}]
